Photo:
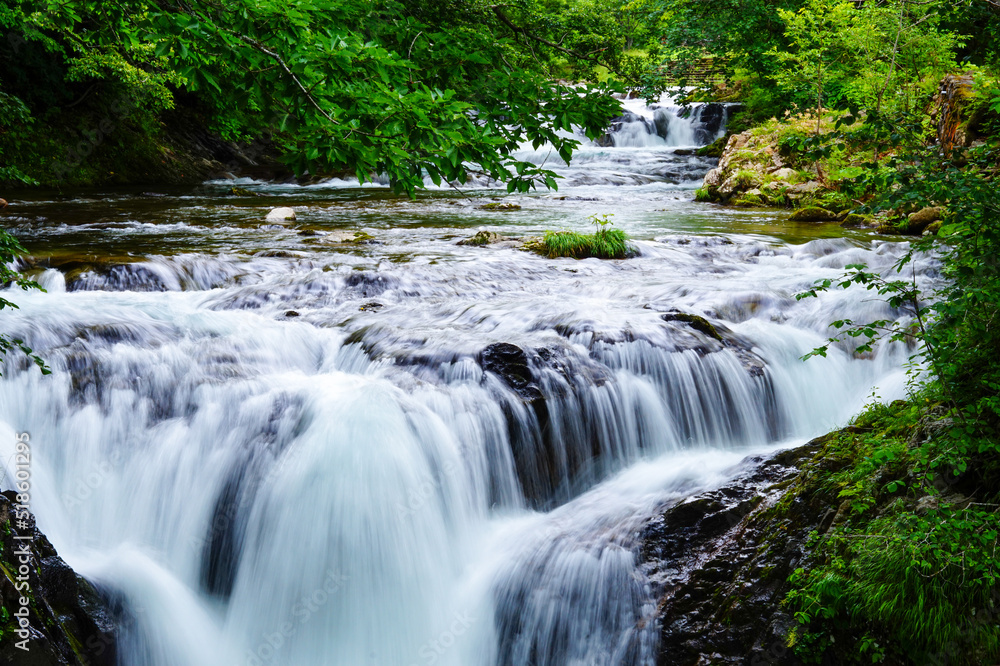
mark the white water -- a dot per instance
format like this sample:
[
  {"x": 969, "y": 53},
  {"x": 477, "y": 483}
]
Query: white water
[{"x": 349, "y": 487}]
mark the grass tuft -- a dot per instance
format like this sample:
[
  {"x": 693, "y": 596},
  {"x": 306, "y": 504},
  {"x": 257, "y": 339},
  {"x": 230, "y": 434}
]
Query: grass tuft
[{"x": 603, "y": 244}]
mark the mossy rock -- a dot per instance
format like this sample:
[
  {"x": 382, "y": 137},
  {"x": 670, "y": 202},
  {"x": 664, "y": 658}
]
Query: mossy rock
[
  {"x": 702, "y": 194},
  {"x": 749, "y": 200},
  {"x": 482, "y": 238},
  {"x": 500, "y": 205},
  {"x": 242, "y": 192},
  {"x": 813, "y": 214},
  {"x": 858, "y": 220},
  {"x": 696, "y": 322},
  {"x": 349, "y": 237},
  {"x": 714, "y": 149},
  {"x": 933, "y": 228}
]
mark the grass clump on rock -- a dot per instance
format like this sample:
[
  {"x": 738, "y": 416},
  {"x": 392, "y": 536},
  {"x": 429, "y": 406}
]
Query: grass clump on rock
[{"x": 604, "y": 243}]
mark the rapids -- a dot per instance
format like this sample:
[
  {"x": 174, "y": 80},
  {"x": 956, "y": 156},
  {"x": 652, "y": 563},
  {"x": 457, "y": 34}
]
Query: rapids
[{"x": 270, "y": 448}]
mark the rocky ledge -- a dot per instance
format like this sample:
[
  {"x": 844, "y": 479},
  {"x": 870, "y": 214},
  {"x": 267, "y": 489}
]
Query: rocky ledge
[
  {"x": 720, "y": 561},
  {"x": 50, "y": 615}
]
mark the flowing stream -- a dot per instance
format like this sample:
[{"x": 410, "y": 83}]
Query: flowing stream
[{"x": 274, "y": 448}]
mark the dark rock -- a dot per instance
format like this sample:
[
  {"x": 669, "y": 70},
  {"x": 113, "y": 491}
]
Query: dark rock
[
  {"x": 368, "y": 284},
  {"x": 291, "y": 313},
  {"x": 719, "y": 564},
  {"x": 694, "y": 321},
  {"x": 67, "y": 622},
  {"x": 510, "y": 363}
]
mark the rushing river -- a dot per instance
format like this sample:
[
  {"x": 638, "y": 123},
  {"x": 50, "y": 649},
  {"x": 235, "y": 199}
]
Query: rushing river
[{"x": 275, "y": 448}]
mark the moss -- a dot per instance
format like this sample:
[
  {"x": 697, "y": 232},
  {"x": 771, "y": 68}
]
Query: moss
[
  {"x": 500, "y": 205},
  {"x": 702, "y": 194},
  {"x": 714, "y": 149},
  {"x": 696, "y": 322}
]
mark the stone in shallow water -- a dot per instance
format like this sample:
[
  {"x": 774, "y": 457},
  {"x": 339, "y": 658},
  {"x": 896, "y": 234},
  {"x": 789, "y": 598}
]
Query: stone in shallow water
[{"x": 279, "y": 214}]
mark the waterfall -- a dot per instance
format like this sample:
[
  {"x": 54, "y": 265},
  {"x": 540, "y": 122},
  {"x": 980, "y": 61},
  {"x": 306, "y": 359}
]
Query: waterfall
[{"x": 413, "y": 452}]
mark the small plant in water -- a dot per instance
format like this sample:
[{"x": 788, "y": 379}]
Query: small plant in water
[{"x": 604, "y": 243}]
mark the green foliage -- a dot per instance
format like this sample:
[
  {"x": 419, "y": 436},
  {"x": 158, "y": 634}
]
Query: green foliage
[
  {"x": 909, "y": 571},
  {"x": 10, "y": 249},
  {"x": 446, "y": 89},
  {"x": 605, "y": 243}
]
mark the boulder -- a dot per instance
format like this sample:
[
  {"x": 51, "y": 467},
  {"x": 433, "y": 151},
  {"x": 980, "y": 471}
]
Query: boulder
[
  {"x": 856, "y": 220},
  {"x": 917, "y": 222},
  {"x": 785, "y": 174},
  {"x": 501, "y": 205},
  {"x": 804, "y": 188},
  {"x": 713, "y": 179},
  {"x": 482, "y": 238},
  {"x": 352, "y": 237},
  {"x": 813, "y": 214},
  {"x": 932, "y": 228},
  {"x": 280, "y": 214},
  {"x": 66, "y": 622}
]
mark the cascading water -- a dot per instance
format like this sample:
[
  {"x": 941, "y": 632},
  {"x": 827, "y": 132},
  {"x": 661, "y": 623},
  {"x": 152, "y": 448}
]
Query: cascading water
[{"x": 275, "y": 449}]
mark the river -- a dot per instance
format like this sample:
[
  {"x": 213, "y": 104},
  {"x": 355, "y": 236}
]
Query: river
[{"x": 274, "y": 448}]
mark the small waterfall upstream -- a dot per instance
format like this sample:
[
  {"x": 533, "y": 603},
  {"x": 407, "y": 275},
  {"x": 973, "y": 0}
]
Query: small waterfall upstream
[{"x": 271, "y": 450}]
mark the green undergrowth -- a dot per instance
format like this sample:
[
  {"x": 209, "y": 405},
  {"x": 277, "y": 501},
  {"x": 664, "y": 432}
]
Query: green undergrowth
[{"x": 906, "y": 570}]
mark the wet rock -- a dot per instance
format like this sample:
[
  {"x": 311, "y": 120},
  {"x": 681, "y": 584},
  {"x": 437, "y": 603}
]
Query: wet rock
[
  {"x": 510, "y": 363},
  {"x": 65, "y": 622},
  {"x": 500, "y": 205},
  {"x": 719, "y": 564},
  {"x": 694, "y": 321},
  {"x": 115, "y": 277},
  {"x": 367, "y": 284},
  {"x": 813, "y": 214},
  {"x": 920, "y": 220},
  {"x": 714, "y": 149},
  {"x": 244, "y": 192},
  {"x": 371, "y": 306},
  {"x": 291, "y": 313},
  {"x": 3, "y": 204},
  {"x": 280, "y": 214},
  {"x": 482, "y": 238},
  {"x": 855, "y": 220},
  {"x": 343, "y": 236}
]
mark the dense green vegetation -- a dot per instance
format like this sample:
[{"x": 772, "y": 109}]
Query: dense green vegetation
[{"x": 445, "y": 87}]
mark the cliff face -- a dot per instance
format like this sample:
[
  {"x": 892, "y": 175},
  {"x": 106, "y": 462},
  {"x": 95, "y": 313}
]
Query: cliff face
[
  {"x": 720, "y": 562},
  {"x": 51, "y": 616}
]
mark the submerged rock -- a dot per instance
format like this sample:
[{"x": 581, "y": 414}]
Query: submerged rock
[{"x": 56, "y": 616}]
